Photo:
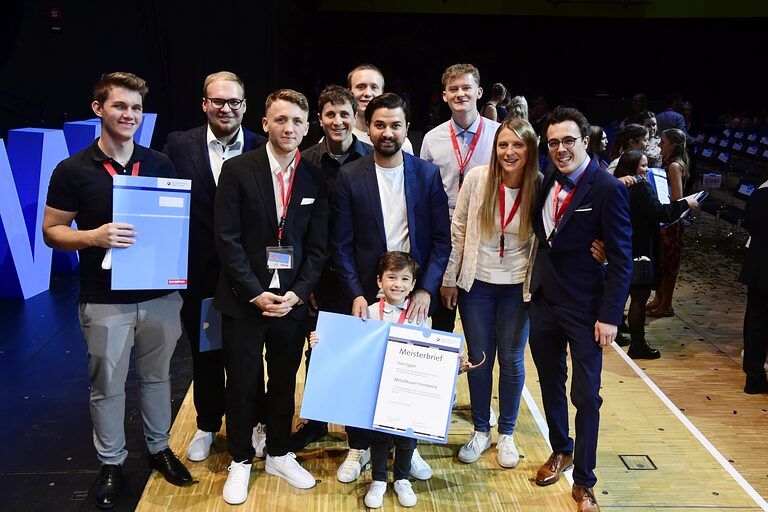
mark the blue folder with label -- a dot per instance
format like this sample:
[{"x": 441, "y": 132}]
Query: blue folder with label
[
  {"x": 210, "y": 326},
  {"x": 382, "y": 376},
  {"x": 158, "y": 208}
]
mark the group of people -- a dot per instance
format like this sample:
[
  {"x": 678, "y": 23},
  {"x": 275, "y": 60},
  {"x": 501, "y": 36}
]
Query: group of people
[{"x": 354, "y": 224}]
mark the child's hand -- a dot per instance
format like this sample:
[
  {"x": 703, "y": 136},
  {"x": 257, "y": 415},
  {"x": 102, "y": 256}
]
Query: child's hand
[
  {"x": 313, "y": 339},
  {"x": 466, "y": 365}
]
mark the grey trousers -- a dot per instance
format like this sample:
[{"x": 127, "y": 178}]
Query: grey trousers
[{"x": 110, "y": 330}]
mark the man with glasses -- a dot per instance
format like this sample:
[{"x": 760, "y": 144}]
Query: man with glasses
[
  {"x": 198, "y": 154},
  {"x": 576, "y": 301}
]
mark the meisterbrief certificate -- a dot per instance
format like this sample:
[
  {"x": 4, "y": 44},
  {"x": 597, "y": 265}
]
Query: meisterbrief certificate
[{"x": 417, "y": 383}]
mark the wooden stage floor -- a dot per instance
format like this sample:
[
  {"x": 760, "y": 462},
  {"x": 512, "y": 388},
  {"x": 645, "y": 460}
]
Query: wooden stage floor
[{"x": 685, "y": 412}]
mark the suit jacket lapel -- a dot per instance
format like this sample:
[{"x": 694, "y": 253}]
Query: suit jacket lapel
[
  {"x": 263, "y": 176},
  {"x": 372, "y": 189},
  {"x": 578, "y": 195},
  {"x": 411, "y": 179},
  {"x": 200, "y": 159},
  {"x": 538, "y": 220}
]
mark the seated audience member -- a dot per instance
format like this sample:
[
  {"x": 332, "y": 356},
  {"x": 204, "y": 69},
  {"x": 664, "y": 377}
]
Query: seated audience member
[{"x": 646, "y": 213}]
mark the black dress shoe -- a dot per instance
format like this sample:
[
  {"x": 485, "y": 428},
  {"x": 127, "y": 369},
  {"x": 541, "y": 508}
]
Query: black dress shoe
[
  {"x": 755, "y": 387},
  {"x": 171, "y": 467},
  {"x": 108, "y": 486},
  {"x": 642, "y": 350},
  {"x": 306, "y": 433},
  {"x": 622, "y": 340}
]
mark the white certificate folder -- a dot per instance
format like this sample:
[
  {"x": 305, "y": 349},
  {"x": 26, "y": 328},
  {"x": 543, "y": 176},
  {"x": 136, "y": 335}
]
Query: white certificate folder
[
  {"x": 158, "y": 208},
  {"x": 380, "y": 376}
]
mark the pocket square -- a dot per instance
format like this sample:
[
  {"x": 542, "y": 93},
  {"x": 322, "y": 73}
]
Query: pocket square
[
  {"x": 587, "y": 208},
  {"x": 307, "y": 200}
]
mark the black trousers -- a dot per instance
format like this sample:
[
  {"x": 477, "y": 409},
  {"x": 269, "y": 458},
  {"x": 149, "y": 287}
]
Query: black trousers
[
  {"x": 245, "y": 340},
  {"x": 755, "y": 335},
  {"x": 207, "y": 370},
  {"x": 443, "y": 319},
  {"x": 381, "y": 444}
]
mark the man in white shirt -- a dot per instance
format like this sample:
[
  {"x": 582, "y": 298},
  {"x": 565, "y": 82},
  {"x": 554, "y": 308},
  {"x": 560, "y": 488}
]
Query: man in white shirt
[
  {"x": 456, "y": 146},
  {"x": 198, "y": 154},
  {"x": 367, "y": 82},
  {"x": 373, "y": 216}
]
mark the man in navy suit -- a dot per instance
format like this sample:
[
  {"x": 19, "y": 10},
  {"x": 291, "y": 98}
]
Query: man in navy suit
[
  {"x": 388, "y": 201},
  {"x": 576, "y": 301},
  {"x": 198, "y": 155},
  {"x": 271, "y": 232}
]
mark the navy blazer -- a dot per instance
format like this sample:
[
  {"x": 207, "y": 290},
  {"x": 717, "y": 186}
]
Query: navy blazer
[
  {"x": 188, "y": 151},
  {"x": 246, "y": 224},
  {"x": 358, "y": 238},
  {"x": 567, "y": 273}
]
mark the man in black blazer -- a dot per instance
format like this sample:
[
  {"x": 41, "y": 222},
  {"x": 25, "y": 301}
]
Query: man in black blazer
[
  {"x": 576, "y": 302},
  {"x": 755, "y": 276},
  {"x": 271, "y": 224},
  {"x": 198, "y": 155}
]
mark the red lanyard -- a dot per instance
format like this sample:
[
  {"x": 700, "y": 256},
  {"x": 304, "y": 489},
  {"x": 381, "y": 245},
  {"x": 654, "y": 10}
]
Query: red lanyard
[
  {"x": 383, "y": 301},
  {"x": 557, "y": 213},
  {"x": 512, "y": 212},
  {"x": 111, "y": 170},
  {"x": 464, "y": 161},
  {"x": 286, "y": 197}
]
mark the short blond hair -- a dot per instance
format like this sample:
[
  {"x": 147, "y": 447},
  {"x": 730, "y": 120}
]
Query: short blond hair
[
  {"x": 222, "y": 76},
  {"x": 288, "y": 95},
  {"x": 460, "y": 70}
]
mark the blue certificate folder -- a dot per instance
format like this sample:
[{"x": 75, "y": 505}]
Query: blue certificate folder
[
  {"x": 158, "y": 208},
  {"x": 345, "y": 370},
  {"x": 210, "y": 326}
]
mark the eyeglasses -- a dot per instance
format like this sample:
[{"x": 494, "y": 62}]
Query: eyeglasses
[
  {"x": 234, "y": 103},
  {"x": 568, "y": 142}
]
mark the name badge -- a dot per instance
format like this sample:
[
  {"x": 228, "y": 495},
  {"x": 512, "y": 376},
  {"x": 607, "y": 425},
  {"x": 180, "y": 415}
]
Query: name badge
[{"x": 280, "y": 257}]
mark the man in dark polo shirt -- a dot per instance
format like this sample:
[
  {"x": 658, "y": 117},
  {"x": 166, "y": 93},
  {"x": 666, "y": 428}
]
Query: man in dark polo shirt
[
  {"x": 336, "y": 109},
  {"x": 113, "y": 321}
]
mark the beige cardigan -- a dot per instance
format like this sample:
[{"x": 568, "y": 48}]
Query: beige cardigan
[{"x": 465, "y": 235}]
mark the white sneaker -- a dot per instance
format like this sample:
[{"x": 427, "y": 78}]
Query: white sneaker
[
  {"x": 350, "y": 469},
  {"x": 374, "y": 498},
  {"x": 259, "y": 439},
  {"x": 236, "y": 487},
  {"x": 492, "y": 421},
  {"x": 477, "y": 444},
  {"x": 507, "y": 455},
  {"x": 420, "y": 470},
  {"x": 200, "y": 446},
  {"x": 404, "y": 492},
  {"x": 287, "y": 468}
]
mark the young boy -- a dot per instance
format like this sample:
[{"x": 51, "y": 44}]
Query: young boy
[{"x": 396, "y": 277}]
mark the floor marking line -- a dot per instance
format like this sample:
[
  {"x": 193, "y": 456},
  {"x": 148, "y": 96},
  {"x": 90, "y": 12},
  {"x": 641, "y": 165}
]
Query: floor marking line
[{"x": 693, "y": 430}]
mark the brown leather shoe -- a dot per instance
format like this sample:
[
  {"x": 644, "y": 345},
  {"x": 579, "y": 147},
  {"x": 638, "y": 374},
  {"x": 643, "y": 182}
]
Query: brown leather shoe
[
  {"x": 549, "y": 473},
  {"x": 584, "y": 498}
]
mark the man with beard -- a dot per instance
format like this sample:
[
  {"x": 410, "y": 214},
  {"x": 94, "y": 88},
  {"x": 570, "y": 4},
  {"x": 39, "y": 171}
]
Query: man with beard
[
  {"x": 388, "y": 201},
  {"x": 198, "y": 154}
]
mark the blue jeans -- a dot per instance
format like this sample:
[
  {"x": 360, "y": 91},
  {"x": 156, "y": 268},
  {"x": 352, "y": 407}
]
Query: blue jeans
[{"x": 495, "y": 320}]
